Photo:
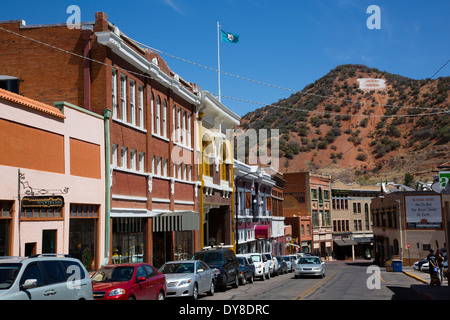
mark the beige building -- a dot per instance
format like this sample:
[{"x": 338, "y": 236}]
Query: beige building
[
  {"x": 406, "y": 225},
  {"x": 351, "y": 221}
]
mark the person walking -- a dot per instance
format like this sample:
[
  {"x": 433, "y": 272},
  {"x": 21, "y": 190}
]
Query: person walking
[
  {"x": 440, "y": 264},
  {"x": 432, "y": 263}
]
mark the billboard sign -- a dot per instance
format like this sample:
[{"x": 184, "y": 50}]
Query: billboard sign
[{"x": 423, "y": 211}]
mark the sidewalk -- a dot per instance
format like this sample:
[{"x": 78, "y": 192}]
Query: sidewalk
[{"x": 441, "y": 292}]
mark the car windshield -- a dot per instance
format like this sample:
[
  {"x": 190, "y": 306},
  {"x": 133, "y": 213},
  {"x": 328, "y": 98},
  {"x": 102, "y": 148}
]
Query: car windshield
[
  {"x": 113, "y": 274},
  {"x": 309, "y": 260},
  {"x": 256, "y": 258},
  {"x": 8, "y": 273},
  {"x": 241, "y": 261},
  {"x": 287, "y": 259},
  {"x": 181, "y": 267},
  {"x": 209, "y": 257}
]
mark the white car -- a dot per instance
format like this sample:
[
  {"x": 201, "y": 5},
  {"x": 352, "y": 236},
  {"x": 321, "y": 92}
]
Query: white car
[
  {"x": 261, "y": 265},
  {"x": 290, "y": 261},
  {"x": 273, "y": 262},
  {"x": 44, "y": 277}
]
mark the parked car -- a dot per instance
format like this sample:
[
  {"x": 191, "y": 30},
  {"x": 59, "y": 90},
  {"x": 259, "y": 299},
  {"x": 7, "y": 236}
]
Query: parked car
[
  {"x": 261, "y": 264},
  {"x": 246, "y": 269},
  {"x": 224, "y": 263},
  {"x": 282, "y": 265},
  {"x": 44, "y": 277},
  {"x": 420, "y": 263},
  {"x": 309, "y": 266},
  {"x": 129, "y": 281},
  {"x": 290, "y": 261},
  {"x": 425, "y": 267},
  {"x": 415, "y": 265},
  {"x": 273, "y": 264},
  {"x": 188, "y": 278}
]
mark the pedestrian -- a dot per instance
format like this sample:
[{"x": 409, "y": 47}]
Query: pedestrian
[
  {"x": 432, "y": 267},
  {"x": 440, "y": 264}
]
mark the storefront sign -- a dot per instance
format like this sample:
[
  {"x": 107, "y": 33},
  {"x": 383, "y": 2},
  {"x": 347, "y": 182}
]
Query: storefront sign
[
  {"x": 423, "y": 211},
  {"x": 43, "y": 202}
]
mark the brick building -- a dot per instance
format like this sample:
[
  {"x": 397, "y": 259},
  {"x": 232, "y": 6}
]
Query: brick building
[
  {"x": 308, "y": 195},
  {"x": 152, "y": 211}
]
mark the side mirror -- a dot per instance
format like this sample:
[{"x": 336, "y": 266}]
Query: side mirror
[
  {"x": 29, "y": 284},
  {"x": 140, "y": 279},
  {"x": 200, "y": 270}
]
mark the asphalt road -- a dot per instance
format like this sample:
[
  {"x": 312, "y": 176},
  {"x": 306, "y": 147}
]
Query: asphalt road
[{"x": 343, "y": 281}]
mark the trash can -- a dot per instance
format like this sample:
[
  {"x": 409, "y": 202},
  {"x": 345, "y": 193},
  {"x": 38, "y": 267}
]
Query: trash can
[{"x": 397, "y": 265}]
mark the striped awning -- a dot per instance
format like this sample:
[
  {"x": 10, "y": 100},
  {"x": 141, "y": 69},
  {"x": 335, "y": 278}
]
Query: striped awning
[{"x": 175, "y": 221}]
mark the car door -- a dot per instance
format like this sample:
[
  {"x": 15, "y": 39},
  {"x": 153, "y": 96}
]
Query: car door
[
  {"x": 144, "y": 288},
  {"x": 33, "y": 272},
  {"x": 205, "y": 276},
  {"x": 154, "y": 282},
  {"x": 56, "y": 285}
]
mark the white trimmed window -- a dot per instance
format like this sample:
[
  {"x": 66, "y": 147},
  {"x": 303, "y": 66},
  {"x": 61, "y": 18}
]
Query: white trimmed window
[
  {"x": 141, "y": 106},
  {"x": 132, "y": 159},
  {"x": 114, "y": 155},
  {"x": 114, "y": 94},
  {"x": 141, "y": 161},
  {"x": 123, "y": 157},
  {"x": 133, "y": 102},
  {"x": 123, "y": 98}
]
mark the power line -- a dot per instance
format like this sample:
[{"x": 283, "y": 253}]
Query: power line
[
  {"x": 335, "y": 113},
  {"x": 240, "y": 77},
  {"x": 439, "y": 69}
]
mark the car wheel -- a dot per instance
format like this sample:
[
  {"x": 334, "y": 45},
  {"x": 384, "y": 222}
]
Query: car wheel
[
  {"x": 211, "y": 289},
  {"x": 244, "y": 280},
  {"x": 236, "y": 281},
  {"x": 131, "y": 298},
  {"x": 268, "y": 275},
  {"x": 195, "y": 292},
  {"x": 224, "y": 282},
  {"x": 160, "y": 295},
  {"x": 251, "y": 279}
]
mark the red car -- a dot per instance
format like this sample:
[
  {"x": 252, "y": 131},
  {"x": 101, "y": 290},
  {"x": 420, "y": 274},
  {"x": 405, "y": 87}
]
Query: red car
[{"x": 129, "y": 281}]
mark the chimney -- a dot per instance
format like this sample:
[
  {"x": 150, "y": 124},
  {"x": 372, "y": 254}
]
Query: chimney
[{"x": 101, "y": 22}]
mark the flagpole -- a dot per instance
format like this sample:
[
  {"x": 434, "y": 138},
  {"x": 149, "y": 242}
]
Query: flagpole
[{"x": 218, "y": 57}]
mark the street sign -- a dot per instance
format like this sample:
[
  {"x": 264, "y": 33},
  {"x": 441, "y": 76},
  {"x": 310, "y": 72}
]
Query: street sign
[{"x": 407, "y": 245}]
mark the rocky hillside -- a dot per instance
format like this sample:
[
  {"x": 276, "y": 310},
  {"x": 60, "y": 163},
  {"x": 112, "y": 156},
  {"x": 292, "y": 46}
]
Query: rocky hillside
[{"x": 332, "y": 126}]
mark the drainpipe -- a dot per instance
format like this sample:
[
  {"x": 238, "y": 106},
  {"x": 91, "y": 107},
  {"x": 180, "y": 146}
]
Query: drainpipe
[
  {"x": 107, "y": 116},
  {"x": 87, "y": 70},
  {"x": 201, "y": 217}
]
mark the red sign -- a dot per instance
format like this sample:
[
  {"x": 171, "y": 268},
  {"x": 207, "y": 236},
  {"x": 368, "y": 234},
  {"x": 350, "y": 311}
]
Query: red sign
[{"x": 407, "y": 245}]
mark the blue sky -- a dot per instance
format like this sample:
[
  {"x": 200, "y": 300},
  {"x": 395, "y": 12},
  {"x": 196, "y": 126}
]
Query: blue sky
[{"x": 287, "y": 43}]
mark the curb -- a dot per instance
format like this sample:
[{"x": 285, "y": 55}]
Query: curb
[{"x": 415, "y": 277}]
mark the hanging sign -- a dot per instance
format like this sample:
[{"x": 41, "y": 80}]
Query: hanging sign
[{"x": 43, "y": 202}]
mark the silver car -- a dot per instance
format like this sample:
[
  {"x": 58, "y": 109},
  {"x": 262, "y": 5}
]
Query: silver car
[
  {"x": 188, "y": 278},
  {"x": 309, "y": 266},
  {"x": 44, "y": 277}
]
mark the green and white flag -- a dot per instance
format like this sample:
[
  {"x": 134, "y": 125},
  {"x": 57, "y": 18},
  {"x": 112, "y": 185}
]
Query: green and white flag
[{"x": 230, "y": 37}]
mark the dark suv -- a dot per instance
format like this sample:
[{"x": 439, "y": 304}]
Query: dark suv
[{"x": 224, "y": 263}]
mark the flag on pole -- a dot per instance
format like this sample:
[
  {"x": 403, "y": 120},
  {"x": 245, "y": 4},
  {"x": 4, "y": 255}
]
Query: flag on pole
[{"x": 230, "y": 37}]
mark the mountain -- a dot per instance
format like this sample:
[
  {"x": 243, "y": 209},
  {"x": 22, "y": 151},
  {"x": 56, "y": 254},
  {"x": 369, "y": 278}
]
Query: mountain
[{"x": 333, "y": 126}]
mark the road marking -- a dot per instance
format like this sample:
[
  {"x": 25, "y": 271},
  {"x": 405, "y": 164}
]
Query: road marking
[{"x": 313, "y": 288}]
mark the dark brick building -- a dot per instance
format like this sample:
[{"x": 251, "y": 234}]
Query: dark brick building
[{"x": 153, "y": 202}]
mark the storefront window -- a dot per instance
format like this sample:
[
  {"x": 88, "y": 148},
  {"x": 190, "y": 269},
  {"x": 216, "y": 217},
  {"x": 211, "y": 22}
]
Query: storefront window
[
  {"x": 128, "y": 240},
  {"x": 183, "y": 245},
  {"x": 83, "y": 234},
  {"x": 5, "y": 222}
]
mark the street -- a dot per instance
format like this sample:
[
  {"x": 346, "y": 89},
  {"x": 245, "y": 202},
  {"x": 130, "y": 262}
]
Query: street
[{"x": 344, "y": 280}]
